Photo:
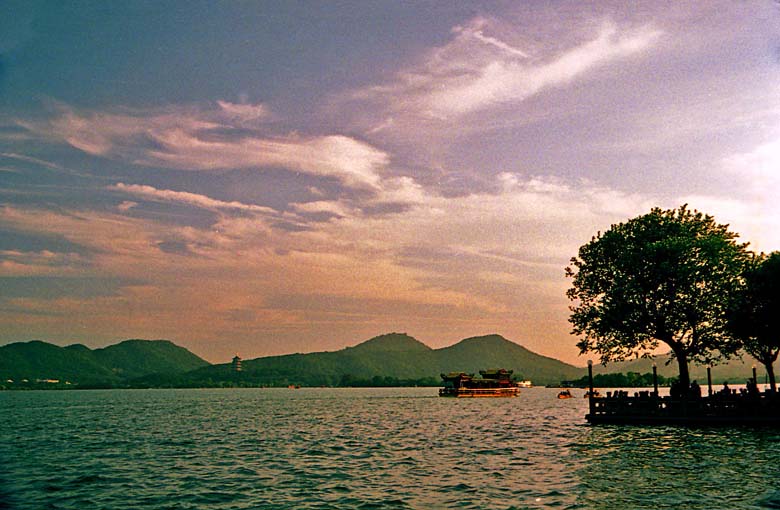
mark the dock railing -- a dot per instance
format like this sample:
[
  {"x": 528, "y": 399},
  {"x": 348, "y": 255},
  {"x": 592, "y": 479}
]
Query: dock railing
[{"x": 644, "y": 406}]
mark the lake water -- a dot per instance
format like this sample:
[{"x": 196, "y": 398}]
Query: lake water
[{"x": 363, "y": 449}]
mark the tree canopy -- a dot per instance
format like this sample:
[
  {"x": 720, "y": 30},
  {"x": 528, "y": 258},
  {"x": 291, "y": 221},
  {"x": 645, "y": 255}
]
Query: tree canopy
[
  {"x": 754, "y": 315},
  {"x": 665, "y": 276}
]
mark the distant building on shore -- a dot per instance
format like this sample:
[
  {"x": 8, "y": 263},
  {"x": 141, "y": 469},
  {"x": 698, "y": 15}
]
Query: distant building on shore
[{"x": 236, "y": 364}]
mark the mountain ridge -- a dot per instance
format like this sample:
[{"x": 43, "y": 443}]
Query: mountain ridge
[
  {"x": 390, "y": 342},
  {"x": 110, "y": 366},
  {"x": 386, "y": 358},
  {"x": 394, "y": 356}
]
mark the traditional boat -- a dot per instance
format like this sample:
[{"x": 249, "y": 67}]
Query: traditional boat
[
  {"x": 565, "y": 394},
  {"x": 491, "y": 383}
]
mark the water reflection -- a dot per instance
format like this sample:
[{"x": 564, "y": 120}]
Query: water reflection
[{"x": 677, "y": 467}]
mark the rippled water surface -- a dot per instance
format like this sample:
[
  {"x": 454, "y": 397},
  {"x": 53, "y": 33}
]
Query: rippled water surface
[{"x": 363, "y": 448}]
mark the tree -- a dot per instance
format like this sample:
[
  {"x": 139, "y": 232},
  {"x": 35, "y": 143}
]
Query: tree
[
  {"x": 754, "y": 315},
  {"x": 661, "y": 277}
]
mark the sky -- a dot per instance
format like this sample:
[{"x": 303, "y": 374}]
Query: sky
[{"x": 267, "y": 177}]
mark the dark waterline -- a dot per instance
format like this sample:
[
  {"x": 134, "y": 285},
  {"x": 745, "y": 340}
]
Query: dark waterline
[{"x": 362, "y": 448}]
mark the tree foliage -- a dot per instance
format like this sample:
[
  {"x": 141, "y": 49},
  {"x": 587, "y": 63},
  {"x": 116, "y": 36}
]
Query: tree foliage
[
  {"x": 754, "y": 315},
  {"x": 661, "y": 277}
]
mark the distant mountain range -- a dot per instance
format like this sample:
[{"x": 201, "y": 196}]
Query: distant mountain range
[
  {"x": 386, "y": 360},
  {"x": 115, "y": 365},
  {"x": 390, "y": 359}
]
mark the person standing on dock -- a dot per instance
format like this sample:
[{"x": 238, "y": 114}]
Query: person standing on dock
[
  {"x": 752, "y": 388},
  {"x": 695, "y": 390}
]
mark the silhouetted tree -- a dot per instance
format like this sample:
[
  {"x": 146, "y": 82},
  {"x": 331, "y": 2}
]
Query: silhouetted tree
[
  {"x": 661, "y": 277},
  {"x": 754, "y": 317}
]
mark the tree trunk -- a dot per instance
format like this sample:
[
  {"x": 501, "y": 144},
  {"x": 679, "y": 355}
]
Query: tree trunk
[
  {"x": 770, "y": 371},
  {"x": 685, "y": 378}
]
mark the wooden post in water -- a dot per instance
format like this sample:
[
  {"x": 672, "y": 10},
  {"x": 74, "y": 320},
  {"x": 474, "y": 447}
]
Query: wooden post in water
[
  {"x": 709, "y": 381},
  {"x": 591, "y": 403},
  {"x": 755, "y": 380},
  {"x": 655, "y": 380}
]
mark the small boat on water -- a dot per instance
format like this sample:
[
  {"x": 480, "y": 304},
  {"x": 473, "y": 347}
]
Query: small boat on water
[
  {"x": 596, "y": 394},
  {"x": 565, "y": 394},
  {"x": 491, "y": 383}
]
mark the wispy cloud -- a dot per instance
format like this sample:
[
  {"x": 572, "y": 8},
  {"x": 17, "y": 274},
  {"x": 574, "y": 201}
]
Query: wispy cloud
[
  {"x": 476, "y": 71},
  {"x": 40, "y": 263},
  {"x": 126, "y": 205},
  {"x": 41, "y": 163},
  {"x": 244, "y": 112},
  {"x": 475, "y": 30},
  {"x": 355, "y": 163},
  {"x": 152, "y": 193},
  {"x": 227, "y": 136},
  {"x": 501, "y": 81},
  {"x": 29, "y": 159}
]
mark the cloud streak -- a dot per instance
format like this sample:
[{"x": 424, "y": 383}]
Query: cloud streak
[
  {"x": 476, "y": 71},
  {"x": 152, "y": 193},
  {"x": 502, "y": 81},
  {"x": 40, "y": 263},
  {"x": 226, "y": 137}
]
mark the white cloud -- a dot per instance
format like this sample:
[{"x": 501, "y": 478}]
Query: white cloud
[
  {"x": 475, "y": 30},
  {"x": 332, "y": 207},
  {"x": 189, "y": 138},
  {"x": 244, "y": 112},
  {"x": 126, "y": 205},
  {"x": 28, "y": 159},
  {"x": 476, "y": 71},
  {"x": 152, "y": 193},
  {"x": 355, "y": 163},
  {"x": 504, "y": 80}
]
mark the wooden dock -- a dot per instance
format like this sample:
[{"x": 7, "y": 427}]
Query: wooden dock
[
  {"x": 726, "y": 407},
  {"x": 718, "y": 409}
]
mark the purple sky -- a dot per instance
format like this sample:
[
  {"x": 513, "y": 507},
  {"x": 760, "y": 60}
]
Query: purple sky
[{"x": 268, "y": 178}]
